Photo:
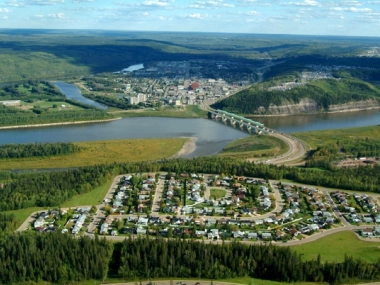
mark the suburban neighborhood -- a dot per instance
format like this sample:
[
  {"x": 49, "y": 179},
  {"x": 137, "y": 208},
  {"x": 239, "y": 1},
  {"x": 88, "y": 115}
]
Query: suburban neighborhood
[{"x": 214, "y": 207}]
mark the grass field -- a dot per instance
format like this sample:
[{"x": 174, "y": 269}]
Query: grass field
[
  {"x": 95, "y": 197},
  {"x": 334, "y": 247},
  {"x": 324, "y": 137},
  {"x": 255, "y": 146},
  {"x": 217, "y": 193},
  {"x": 101, "y": 152},
  {"x": 22, "y": 214},
  {"x": 166, "y": 111},
  {"x": 43, "y": 104}
]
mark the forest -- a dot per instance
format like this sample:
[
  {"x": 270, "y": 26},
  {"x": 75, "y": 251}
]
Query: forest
[
  {"x": 36, "y": 149},
  {"x": 48, "y": 189},
  {"x": 358, "y": 147},
  {"x": 11, "y": 116},
  {"x": 30, "y": 91},
  {"x": 59, "y": 258},
  {"x": 56, "y": 258}
]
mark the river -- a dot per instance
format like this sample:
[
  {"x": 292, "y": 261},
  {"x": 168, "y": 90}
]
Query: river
[
  {"x": 73, "y": 93},
  {"x": 211, "y": 136}
]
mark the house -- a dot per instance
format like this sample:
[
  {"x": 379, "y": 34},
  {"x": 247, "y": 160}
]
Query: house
[
  {"x": 210, "y": 222},
  {"x": 294, "y": 232},
  {"x": 313, "y": 227},
  {"x": 252, "y": 235},
  {"x": 368, "y": 232},
  {"x": 200, "y": 233},
  {"x": 39, "y": 222},
  {"x": 154, "y": 220},
  {"x": 141, "y": 231},
  {"x": 213, "y": 234},
  {"x": 104, "y": 228},
  {"x": 143, "y": 221},
  {"x": 238, "y": 234},
  {"x": 367, "y": 219},
  {"x": 268, "y": 220},
  {"x": 266, "y": 236},
  {"x": 259, "y": 222}
]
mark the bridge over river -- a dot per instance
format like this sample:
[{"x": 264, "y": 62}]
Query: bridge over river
[
  {"x": 297, "y": 149},
  {"x": 238, "y": 121}
]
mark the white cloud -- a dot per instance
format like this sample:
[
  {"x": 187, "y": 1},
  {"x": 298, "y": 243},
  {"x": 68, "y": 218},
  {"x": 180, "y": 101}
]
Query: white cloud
[
  {"x": 195, "y": 16},
  {"x": 352, "y": 9},
  {"x": 208, "y": 4},
  {"x": 4, "y": 10},
  {"x": 81, "y": 1},
  {"x": 157, "y": 3},
  {"x": 16, "y": 3},
  {"x": 311, "y": 3},
  {"x": 57, "y": 16}
]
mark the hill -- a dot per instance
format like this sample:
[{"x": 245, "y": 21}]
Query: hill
[{"x": 309, "y": 89}]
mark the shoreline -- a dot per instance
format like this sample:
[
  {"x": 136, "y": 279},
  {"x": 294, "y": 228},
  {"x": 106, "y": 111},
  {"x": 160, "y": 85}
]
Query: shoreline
[
  {"x": 57, "y": 124},
  {"x": 188, "y": 148},
  {"x": 314, "y": 113}
]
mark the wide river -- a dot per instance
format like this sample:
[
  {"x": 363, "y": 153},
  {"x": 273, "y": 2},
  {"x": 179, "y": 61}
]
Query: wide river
[{"x": 211, "y": 136}]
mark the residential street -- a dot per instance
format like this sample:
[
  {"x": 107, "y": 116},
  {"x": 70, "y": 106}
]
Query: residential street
[{"x": 100, "y": 215}]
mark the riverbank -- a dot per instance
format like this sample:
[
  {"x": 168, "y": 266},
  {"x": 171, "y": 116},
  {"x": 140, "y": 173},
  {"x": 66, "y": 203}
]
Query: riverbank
[
  {"x": 313, "y": 113},
  {"x": 58, "y": 124},
  {"x": 187, "y": 148}
]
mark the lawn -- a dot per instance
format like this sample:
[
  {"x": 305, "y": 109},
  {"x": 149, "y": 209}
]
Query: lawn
[
  {"x": 22, "y": 214},
  {"x": 102, "y": 152},
  {"x": 317, "y": 138},
  {"x": 334, "y": 247},
  {"x": 44, "y": 104},
  {"x": 217, "y": 193},
  {"x": 95, "y": 197},
  {"x": 255, "y": 146}
]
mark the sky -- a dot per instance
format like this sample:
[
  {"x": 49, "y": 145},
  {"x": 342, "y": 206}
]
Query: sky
[{"x": 306, "y": 17}]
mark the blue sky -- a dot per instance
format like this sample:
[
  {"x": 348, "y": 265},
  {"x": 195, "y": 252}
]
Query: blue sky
[{"x": 310, "y": 17}]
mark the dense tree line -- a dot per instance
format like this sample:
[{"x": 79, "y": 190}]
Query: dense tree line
[
  {"x": 156, "y": 258},
  {"x": 30, "y": 91},
  {"x": 8, "y": 223},
  {"x": 10, "y": 116},
  {"x": 53, "y": 188},
  {"x": 36, "y": 149},
  {"x": 359, "y": 147},
  {"x": 57, "y": 258},
  {"x": 111, "y": 102}
]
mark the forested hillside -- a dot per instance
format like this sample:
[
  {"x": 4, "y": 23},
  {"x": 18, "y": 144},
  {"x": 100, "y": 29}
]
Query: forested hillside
[
  {"x": 324, "y": 93},
  {"x": 348, "y": 80}
]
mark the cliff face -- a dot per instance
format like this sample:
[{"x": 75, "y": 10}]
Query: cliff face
[
  {"x": 354, "y": 106},
  {"x": 309, "y": 106}
]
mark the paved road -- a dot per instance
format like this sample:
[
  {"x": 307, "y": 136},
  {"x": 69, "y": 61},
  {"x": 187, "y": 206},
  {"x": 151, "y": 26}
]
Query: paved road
[{"x": 157, "y": 197}]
